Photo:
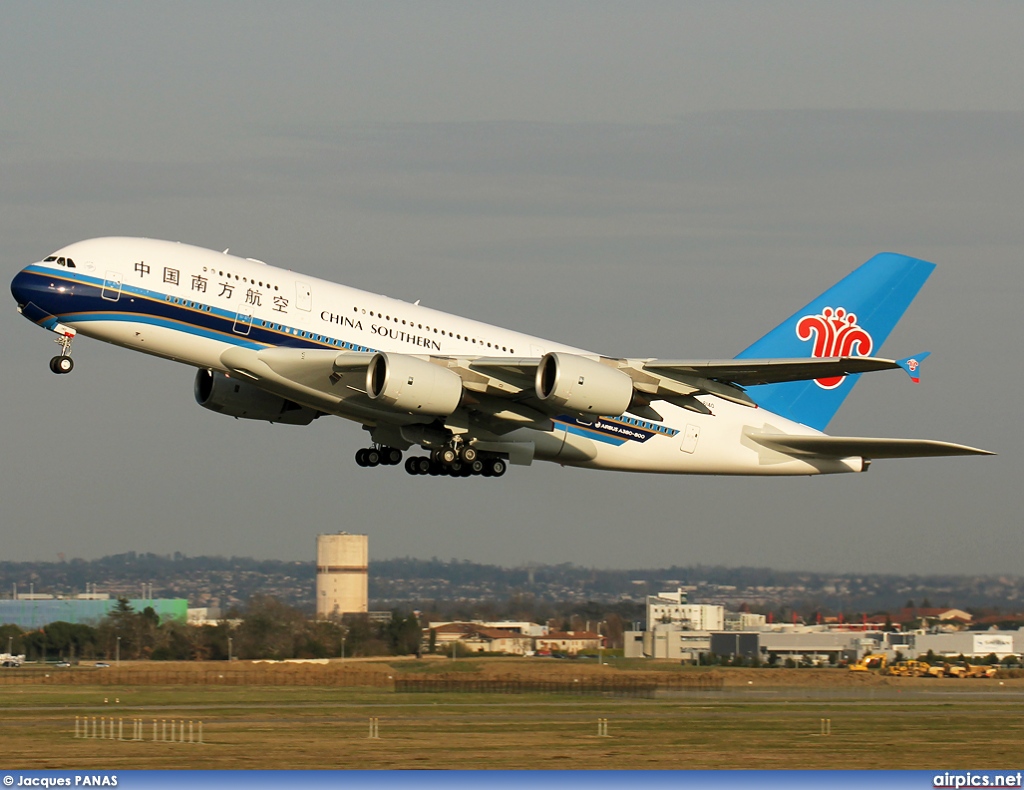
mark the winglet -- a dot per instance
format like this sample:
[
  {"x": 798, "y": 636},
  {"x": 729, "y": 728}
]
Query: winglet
[{"x": 913, "y": 365}]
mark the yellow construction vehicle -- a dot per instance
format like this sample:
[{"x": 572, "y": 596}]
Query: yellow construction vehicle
[
  {"x": 981, "y": 671},
  {"x": 970, "y": 671},
  {"x": 869, "y": 661},
  {"x": 910, "y": 669}
]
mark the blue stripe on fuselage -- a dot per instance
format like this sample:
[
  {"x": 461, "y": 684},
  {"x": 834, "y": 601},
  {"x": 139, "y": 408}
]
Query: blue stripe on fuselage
[{"x": 82, "y": 301}]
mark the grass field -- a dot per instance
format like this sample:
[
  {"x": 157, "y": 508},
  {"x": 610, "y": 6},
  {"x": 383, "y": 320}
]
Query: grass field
[{"x": 757, "y": 719}]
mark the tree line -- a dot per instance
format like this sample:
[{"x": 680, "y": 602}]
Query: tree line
[{"x": 266, "y": 629}]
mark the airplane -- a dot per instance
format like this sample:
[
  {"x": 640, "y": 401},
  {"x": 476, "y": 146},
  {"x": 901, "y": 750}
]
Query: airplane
[{"x": 279, "y": 346}]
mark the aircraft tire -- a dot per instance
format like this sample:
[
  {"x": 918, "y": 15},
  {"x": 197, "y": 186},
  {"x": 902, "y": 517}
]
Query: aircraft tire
[
  {"x": 421, "y": 465},
  {"x": 477, "y": 466},
  {"x": 62, "y": 364},
  {"x": 372, "y": 456},
  {"x": 361, "y": 457},
  {"x": 468, "y": 454},
  {"x": 448, "y": 456},
  {"x": 498, "y": 467},
  {"x": 393, "y": 456}
]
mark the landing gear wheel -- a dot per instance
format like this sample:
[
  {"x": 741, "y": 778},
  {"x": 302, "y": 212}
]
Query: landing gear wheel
[
  {"x": 372, "y": 456},
  {"x": 421, "y": 465},
  {"x": 468, "y": 454},
  {"x": 498, "y": 467},
  {"x": 448, "y": 456},
  {"x": 62, "y": 364},
  {"x": 391, "y": 456},
  {"x": 476, "y": 466},
  {"x": 361, "y": 457},
  {"x": 410, "y": 466}
]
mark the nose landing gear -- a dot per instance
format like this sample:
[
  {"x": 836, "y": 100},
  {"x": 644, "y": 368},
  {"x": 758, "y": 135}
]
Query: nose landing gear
[{"x": 63, "y": 363}]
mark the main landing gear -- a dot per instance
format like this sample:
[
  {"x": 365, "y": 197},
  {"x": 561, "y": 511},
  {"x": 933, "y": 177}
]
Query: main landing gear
[
  {"x": 379, "y": 456},
  {"x": 63, "y": 363},
  {"x": 448, "y": 463}
]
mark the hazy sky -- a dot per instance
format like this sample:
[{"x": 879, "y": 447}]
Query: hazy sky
[{"x": 643, "y": 179}]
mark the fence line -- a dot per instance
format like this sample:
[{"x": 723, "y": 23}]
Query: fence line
[
  {"x": 205, "y": 677},
  {"x": 629, "y": 686},
  {"x": 602, "y": 686}
]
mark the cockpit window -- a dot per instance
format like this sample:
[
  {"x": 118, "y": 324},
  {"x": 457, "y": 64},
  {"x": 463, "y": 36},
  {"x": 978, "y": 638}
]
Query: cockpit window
[
  {"x": 71, "y": 264},
  {"x": 50, "y": 259},
  {"x": 60, "y": 261}
]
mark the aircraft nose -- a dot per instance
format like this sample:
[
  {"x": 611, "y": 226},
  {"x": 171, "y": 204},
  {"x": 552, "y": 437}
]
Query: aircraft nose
[
  {"x": 20, "y": 288},
  {"x": 29, "y": 294}
]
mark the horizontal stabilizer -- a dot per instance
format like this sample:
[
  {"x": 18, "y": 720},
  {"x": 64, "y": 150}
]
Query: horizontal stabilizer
[
  {"x": 849, "y": 446},
  {"x": 913, "y": 365},
  {"x": 754, "y": 372}
]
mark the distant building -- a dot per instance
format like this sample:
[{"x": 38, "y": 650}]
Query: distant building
[
  {"x": 745, "y": 621},
  {"x": 569, "y": 642},
  {"x": 922, "y": 617},
  {"x": 676, "y": 629},
  {"x": 673, "y": 643},
  {"x": 342, "y": 574},
  {"x": 515, "y": 626},
  {"x": 670, "y": 609},
  {"x": 204, "y": 615},
  {"x": 497, "y": 640},
  {"x": 970, "y": 644}
]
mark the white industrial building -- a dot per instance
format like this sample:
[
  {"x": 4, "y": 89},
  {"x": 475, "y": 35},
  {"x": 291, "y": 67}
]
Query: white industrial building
[
  {"x": 676, "y": 629},
  {"x": 823, "y": 645},
  {"x": 671, "y": 609},
  {"x": 682, "y": 631},
  {"x": 970, "y": 644},
  {"x": 342, "y": 574}
]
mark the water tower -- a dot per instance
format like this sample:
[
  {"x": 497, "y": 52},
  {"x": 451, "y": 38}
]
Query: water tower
[{"x": 342, "y": 578}]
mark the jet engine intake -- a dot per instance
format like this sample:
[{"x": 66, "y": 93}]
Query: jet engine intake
[
  {"x": 239, "y": 398},
  {"x": 409, "y": 384},
  {"x": 581, "y": 385}
]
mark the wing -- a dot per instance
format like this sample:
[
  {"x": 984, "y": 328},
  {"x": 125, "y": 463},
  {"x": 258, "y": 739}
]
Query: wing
[
  {"x": 407, "y": 399},
  {"x": 500, "y": 394}
]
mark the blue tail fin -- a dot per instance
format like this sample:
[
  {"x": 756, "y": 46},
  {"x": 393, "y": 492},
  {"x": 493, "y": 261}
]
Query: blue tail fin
[{"x": 852, "y": 318}]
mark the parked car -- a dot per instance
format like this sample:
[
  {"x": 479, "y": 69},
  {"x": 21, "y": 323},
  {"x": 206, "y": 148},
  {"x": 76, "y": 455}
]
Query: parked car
[
  {"x": 63, "y": 664},
  {"x": 102, "y": 664}
]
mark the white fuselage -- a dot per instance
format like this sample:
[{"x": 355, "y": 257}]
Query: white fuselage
[{"x": 190, "y": 304}]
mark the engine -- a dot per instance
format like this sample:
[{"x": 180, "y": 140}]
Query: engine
[
  {"x": 581, "y": 385},
  {"x": 406, "y": 383},
  {"x": 237, "y": 398}
]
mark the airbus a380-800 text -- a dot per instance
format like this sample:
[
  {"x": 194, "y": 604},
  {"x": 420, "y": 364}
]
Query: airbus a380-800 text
[{"x": 271, "y": 344}]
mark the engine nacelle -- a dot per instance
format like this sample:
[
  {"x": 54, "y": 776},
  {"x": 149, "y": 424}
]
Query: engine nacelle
[
  {"x": 238, "y": 398},
  {"x": 406, "y": 383},
  {"x": 581, "y": 385}
]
